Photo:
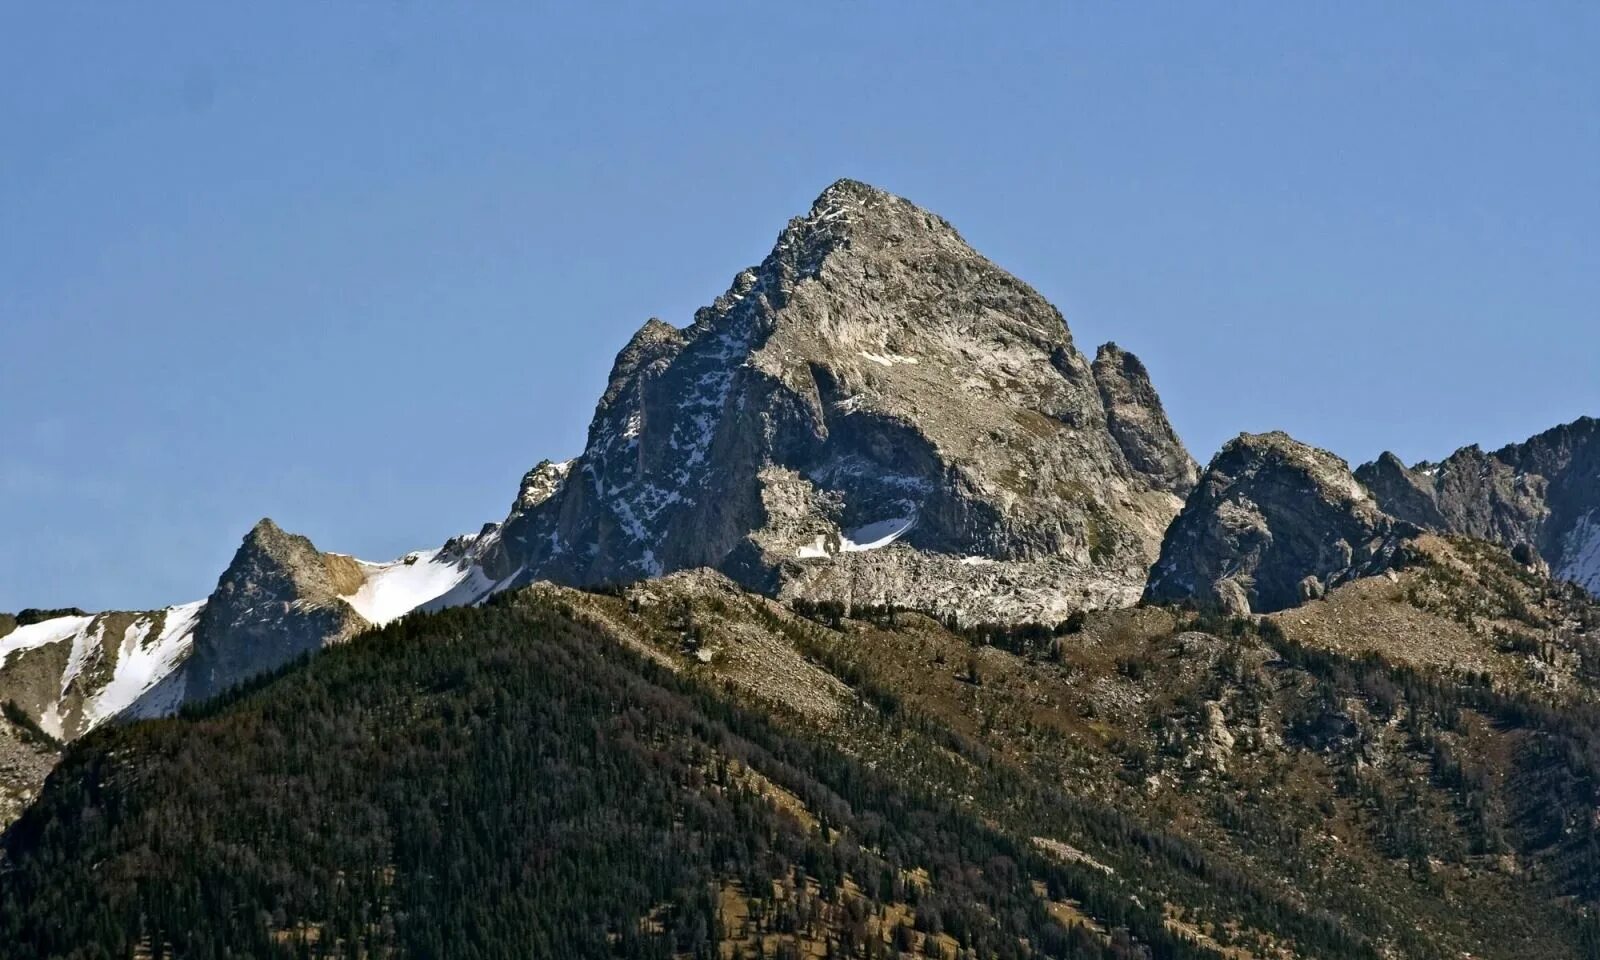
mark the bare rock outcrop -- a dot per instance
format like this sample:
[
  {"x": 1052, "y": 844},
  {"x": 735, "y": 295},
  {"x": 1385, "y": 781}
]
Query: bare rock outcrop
[
  {"x": 1272, "y": 523},
  {"x": 278, "y": 599},
  {"x": 1138, "y": 422}
]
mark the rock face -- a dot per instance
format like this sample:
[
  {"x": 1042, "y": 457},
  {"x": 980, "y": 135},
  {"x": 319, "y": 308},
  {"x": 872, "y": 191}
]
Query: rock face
[
  {"x": 1543, "y": 494},
  {"x": 1272, "y": 523},
  {"x": 278, "y": 599},
  {"x": 1138, "y": 422},
  {"x": 874, "y": 413}
]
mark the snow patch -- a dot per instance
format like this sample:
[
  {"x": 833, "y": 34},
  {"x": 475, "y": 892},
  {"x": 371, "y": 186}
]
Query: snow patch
[
  {"x": 42, "y": 634},
  {"x": 392, "y": 590},
  {"x": 888, "y": 359},
  {"x": 83, "y": 642},
  {"x": 873, "y": 536},
  {"x": 50, "y": 721},
  {"x": 1580, "y": 554},
  {"x": 473, "y": 588}
]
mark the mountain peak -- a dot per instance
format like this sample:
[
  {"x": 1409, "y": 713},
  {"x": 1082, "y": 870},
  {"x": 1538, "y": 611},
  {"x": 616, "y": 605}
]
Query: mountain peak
[
  {"x": 1109, "y": 352},
  {"x": 264, "y": 529},
  {"x": 269, "y": 545},
  {"x": 278, "y": 598},
  {"x": 851, "y": 215},
  {"x": 1272, "y": 522},
  {"x": 877, "y": 384},
  {"x": 846, "y": 188}
]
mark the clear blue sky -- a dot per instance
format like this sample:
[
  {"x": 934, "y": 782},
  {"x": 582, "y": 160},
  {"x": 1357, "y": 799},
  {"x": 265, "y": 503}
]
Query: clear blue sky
[{"x": 357, "y": 266}]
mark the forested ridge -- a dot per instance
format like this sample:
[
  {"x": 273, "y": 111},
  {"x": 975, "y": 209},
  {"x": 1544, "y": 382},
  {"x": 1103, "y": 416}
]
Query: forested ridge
[
  {"x": 506, "y": 782},
  {"x": 680, "y": 768}
]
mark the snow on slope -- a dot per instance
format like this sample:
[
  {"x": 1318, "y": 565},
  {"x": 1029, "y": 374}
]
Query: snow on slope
[
  {"x": 41, "y": 634},
  {"x": 392, "y": 590},
  {"x": 141, "y": 660},
  {"x": 425, "y": 580},
  {"x": 1580, "y": 554},
  {"x": 143, "y": 663}
]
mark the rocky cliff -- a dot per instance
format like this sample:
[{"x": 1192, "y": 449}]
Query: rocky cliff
[
  {"x": 278, "y": 599},
  {"x": 1273, "y": 522},
  {"x": 1138, "y": 422},
  {"x": 1543, "y": 494},
  {"x": 874, "y": 413}
]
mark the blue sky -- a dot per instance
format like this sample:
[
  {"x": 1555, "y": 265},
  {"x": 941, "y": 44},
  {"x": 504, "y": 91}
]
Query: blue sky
[{"x": 357, "y": 266}]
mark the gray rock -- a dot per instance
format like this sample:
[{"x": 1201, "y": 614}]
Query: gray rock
[
  {"x": 278, "y": 599},
  {"x": 1544, "y": 492},
  {"x": 539, "y": 485},
  {"x": 1138, "y": 422},
  {"x": 1229, "y": 596},
  {"x": 1272, "y": 523},
  {"x": 872, "y": 405}
]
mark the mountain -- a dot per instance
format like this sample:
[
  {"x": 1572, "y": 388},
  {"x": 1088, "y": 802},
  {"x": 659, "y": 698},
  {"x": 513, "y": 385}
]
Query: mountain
[
  {"x": 1542, "y": 494},
  {"x": 1271, "y": 524},
  {"x": 875, "y": 413},
  {"x": 281, "y": 598},
  {"x": 873, "y": 619}
]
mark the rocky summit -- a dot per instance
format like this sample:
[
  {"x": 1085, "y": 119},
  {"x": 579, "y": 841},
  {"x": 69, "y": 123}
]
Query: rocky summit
[
  {"x": 278, "y": 599},
  {"x": 1272, "y": 523},
  {"x": 875, "y": 413},
  {"x": 1542, "y": 495}
]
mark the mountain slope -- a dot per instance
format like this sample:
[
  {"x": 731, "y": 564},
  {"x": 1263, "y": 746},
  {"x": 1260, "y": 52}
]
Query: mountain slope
[
  {"x": 73, "y": 672},
  {"x": 873, "y": 413},
  {"x": 506, "y": 782},
  {"x": 1306, "y": 786}
]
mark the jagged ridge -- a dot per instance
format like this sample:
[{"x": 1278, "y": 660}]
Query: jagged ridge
[{"x": 1543, "y": 493}]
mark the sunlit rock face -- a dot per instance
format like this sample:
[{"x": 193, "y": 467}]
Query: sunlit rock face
[{"x": 875, "y": 413}]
